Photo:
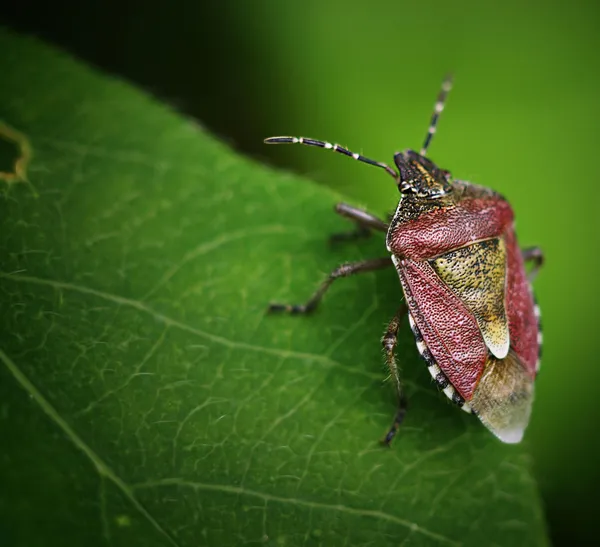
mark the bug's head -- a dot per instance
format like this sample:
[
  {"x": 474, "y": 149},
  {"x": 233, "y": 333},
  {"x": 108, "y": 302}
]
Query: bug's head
[{"x": 421, "y": 177}]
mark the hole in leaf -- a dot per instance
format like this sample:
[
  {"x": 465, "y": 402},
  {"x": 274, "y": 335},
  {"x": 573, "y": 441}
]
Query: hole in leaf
[{"x": 9, "y": 154}]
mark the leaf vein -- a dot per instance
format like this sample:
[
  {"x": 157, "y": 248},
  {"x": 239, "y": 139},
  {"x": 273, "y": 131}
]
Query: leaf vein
[
  {"x": 241, "y": 491},
  {"x": 209, "y": 246},
  {"x": 101, "y": 466},
  {"x": 169, "y": 321}
]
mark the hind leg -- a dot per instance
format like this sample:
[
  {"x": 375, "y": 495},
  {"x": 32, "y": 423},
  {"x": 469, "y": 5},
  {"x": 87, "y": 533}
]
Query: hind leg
[
  {"x": 389, "y": 341},
  {"x": 535, "y": 255}
]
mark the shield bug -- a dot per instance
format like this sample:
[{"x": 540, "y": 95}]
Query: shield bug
[{"x": 467, "y": 293}]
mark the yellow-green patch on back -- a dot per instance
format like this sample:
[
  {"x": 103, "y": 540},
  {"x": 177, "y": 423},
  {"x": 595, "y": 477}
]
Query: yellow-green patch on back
[{"x": 477, "y": 275}]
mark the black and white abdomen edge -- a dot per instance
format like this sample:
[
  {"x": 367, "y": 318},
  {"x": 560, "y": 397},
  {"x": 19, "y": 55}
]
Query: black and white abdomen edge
[{"x": 436, "y": 372}]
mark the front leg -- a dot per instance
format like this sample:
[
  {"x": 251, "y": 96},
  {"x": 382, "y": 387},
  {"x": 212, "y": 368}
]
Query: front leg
[
  {"x": 389, "y": 341},
  {"x": 365, "y": 223},
  {"x": 344, "y": 270}
]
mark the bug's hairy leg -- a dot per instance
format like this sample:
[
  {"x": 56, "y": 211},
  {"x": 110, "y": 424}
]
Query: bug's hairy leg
[
  {"x": 344, "y": 270},
  {"x": 535, "y": 255},
  {"x": 389, "y": 340},
  {"x": 365, "y": 223}
]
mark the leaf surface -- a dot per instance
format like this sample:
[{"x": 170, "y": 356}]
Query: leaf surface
[{"x": 146, "y": 398}]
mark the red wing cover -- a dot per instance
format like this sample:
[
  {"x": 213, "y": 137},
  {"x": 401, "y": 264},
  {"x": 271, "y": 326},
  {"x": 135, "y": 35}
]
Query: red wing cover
[
  {"x": 522, "y": 322},
  {"x": 477, "y": 275},
  {"x": 446, "y": 324}
]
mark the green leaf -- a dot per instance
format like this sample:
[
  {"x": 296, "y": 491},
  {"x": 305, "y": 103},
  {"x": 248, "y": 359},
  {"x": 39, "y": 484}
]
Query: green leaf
[{"x": 146, "y": 397}]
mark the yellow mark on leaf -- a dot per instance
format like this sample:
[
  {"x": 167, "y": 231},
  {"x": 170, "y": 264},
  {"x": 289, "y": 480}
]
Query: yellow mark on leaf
[{"x": 25, "y": 152}]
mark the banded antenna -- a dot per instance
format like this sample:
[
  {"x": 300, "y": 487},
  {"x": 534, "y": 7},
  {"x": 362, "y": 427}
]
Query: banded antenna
[
  {"x": 437, "y": 110},
  {"x": 335, "y": 148}
]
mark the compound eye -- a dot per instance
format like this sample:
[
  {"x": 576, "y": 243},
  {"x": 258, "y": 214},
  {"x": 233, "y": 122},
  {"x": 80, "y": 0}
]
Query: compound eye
[{"x": 407, "y": 189}]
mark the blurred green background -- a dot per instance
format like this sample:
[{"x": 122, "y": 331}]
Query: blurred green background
[{"x": 522, "y": 118}]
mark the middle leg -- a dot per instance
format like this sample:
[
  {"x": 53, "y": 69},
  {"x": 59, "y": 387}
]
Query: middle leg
[{"x": 344, "y": 270}]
